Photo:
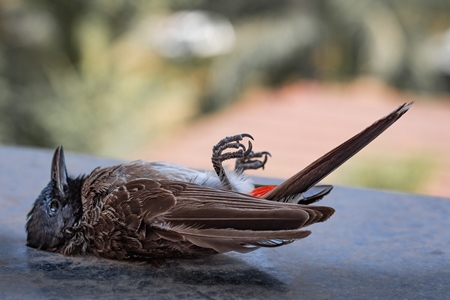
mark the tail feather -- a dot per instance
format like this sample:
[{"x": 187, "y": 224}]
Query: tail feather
[{"x": 323, "y": 166}]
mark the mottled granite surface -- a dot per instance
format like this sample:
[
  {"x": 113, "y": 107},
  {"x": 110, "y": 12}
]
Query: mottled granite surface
[{"x": 377, "y": 245}]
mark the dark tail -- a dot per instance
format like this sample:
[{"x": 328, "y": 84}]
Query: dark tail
[{"x": 312, "y": 174}]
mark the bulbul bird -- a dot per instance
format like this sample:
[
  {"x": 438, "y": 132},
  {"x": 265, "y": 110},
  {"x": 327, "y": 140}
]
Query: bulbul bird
[{"x": 157, "y": 210}]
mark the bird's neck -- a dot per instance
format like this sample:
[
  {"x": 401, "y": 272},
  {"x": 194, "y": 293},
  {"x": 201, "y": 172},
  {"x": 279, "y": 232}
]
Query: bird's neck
[{"x": 74, "y": 190}]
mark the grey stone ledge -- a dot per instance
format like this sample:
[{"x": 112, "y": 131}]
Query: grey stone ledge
[{"x": 377, "y": 245}]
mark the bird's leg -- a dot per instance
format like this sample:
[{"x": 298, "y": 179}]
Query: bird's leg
[
  {"x": 218, "y": 157},
  {"x": 245, "y": 157}
]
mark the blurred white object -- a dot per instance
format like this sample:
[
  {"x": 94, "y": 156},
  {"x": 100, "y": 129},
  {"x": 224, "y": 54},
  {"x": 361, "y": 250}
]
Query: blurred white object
[
  {"x": 444, "y": 55},
  {"x": 437, "y": 52},
  {"x": 193, "y": 33}
]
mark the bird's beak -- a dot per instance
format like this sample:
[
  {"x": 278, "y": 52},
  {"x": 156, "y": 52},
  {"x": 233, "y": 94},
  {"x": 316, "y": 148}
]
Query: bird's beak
[{"x": 59, "y": 171}]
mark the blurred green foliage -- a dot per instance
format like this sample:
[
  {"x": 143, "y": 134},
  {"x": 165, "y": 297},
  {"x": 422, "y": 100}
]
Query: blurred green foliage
[
  {"x": 407, "y": 173},
  {"x": 84, "y": 73}
]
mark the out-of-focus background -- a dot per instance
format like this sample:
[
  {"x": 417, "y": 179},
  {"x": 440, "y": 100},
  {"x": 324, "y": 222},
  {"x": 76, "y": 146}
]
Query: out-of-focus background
[{"x": 165, "y": 80}]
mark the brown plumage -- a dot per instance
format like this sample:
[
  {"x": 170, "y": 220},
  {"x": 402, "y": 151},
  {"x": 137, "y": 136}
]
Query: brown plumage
[{"x": 153, "y": 210}]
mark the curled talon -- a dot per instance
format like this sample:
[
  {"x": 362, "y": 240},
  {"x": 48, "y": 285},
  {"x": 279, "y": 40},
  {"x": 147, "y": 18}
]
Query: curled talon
[
  {"x": 248, "y": 161},
  {"x": 266, "y": 156},
  {"x": 218, "y": 151},
  {"x": 247, "y": 135},
  {"x": 266, "y": 153},
  {"x": 249, "y": 150},
  {"x": 233, "y": 142},
  {"x": 234, "y": 145}
]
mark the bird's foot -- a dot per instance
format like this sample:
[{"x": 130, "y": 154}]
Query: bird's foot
[
  {"x": 231, "y": 142},
  {"x": 245, "y": 158},
  {"x": 218, "y": 155},
  {"x": 250, "y": 161}
]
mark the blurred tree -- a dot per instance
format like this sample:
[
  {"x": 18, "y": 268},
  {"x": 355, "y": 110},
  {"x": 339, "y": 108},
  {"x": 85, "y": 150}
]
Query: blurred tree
[
  {"x": 328, "y": 40},
  {"x": 84, "y": 73}
]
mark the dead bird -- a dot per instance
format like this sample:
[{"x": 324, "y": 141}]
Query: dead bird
[{"x": 156, "y": 210}]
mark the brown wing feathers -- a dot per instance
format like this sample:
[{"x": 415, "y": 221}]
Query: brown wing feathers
[
  {"x": 216, "y": 219},
  {"x": 223, "y": 240},
  {"x": 211, "y": 208}
]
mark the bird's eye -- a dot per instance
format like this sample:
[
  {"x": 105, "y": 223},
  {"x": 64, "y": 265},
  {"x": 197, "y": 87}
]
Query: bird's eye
[{"x": 54, "y": 206}]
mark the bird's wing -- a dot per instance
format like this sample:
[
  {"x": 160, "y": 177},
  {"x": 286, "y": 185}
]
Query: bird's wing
[{"x": 209, "y": 218}]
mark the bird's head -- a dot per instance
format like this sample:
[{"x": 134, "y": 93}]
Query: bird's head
[{"x": 56, "y": 213}]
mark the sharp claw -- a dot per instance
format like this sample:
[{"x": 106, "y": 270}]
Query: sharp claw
[
  {"x": 246, "y": 162},
  {"x": 247, "y": 135},
  {"x": 265, "y": 160},
  {"x": 249, "y": 150}
]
